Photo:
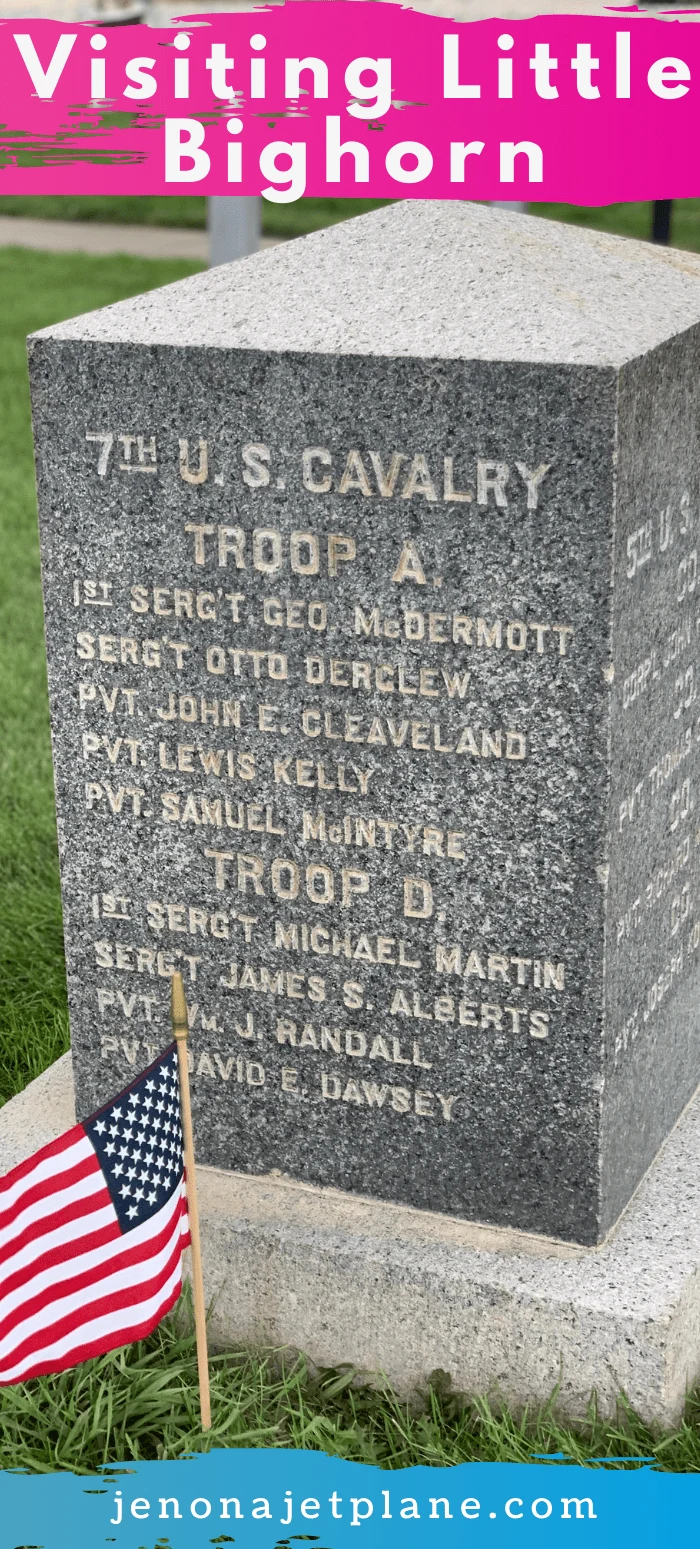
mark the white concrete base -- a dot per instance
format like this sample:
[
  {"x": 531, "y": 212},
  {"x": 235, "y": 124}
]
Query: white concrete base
[{"x": 404, "y": 1292}]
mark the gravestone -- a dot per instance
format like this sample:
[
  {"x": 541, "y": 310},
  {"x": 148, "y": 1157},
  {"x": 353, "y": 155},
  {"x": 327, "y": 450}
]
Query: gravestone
[{"x": 370, "y": 572}]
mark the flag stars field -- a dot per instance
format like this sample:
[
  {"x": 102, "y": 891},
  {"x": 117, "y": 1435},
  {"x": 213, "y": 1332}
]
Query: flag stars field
[
  {"x": 92, "y": 1231},
  {"x": 148, "y": 1144}
]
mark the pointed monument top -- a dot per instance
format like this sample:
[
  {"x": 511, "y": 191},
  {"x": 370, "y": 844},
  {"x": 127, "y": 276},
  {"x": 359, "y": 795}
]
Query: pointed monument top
[{"x": 441, "y": 279}]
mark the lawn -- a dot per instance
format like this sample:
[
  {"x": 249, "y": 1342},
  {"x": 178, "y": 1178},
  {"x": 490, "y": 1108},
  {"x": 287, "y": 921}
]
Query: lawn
[
  {"x": 142, "y": 1402},
  {"x": 292, "y": 220},
  {"x": 279, "y": 220},
  {"x": 35, "y": 289}
]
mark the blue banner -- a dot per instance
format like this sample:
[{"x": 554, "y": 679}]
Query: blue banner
[{"x": 278, "y": 1499}]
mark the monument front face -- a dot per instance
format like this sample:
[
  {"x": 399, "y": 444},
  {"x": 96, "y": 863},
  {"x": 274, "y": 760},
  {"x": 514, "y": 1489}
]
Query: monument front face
[{"x": 348, "y": 729}]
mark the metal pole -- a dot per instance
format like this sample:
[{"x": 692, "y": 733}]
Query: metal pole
[
  {"x": 180, "y": 1031},
  {"x": 661, "y": 221},
  {"x": 233, "y": 223}
]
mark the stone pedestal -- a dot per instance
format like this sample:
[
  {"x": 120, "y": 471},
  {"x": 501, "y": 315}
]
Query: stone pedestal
[{"x": 405, "y": 1292}]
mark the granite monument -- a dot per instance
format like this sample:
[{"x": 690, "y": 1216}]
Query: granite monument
[{"x": 370, "y": 576}]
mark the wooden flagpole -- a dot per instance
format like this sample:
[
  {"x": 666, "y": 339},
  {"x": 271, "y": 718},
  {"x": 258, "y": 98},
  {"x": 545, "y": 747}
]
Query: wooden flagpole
[{"x": 180, "y": 1033}]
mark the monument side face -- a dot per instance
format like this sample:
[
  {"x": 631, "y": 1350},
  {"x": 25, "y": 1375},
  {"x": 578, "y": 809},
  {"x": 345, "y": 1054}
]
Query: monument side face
[
  {"x": 340, "y": 650},
  {"x": 330, "y": 736},
  {"x": 653, "y": 934}
]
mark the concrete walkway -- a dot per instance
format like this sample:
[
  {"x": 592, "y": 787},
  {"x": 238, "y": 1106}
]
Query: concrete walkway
[{"x": 99, "y": 237}]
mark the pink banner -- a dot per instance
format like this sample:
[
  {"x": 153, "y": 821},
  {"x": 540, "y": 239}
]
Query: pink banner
[{"x": 355, "y": 99}]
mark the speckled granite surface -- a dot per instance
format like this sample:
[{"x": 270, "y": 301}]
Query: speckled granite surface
[{"x": 370, "y": 575}]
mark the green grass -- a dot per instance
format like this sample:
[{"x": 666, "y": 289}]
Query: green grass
[
  {"x": 291, "y": 220},
  {"x": 630, "y": 220},
  {"x": 35, "y": 289},
  {"x": 141, "y": 1402},
  {"x": 279, "y": 220}
]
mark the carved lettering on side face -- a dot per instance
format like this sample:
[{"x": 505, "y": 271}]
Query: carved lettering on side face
[
  {"x": 270, "y": 754},
  {"x": 333, "y": 729}
]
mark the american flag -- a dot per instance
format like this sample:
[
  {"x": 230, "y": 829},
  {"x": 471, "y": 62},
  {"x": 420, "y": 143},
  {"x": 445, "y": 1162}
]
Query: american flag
[{"x": 92, "y": 1231}]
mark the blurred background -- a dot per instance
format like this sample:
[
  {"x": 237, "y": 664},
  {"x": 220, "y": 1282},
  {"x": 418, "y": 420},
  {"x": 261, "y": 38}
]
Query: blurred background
[{"x": 179, "y": 223}]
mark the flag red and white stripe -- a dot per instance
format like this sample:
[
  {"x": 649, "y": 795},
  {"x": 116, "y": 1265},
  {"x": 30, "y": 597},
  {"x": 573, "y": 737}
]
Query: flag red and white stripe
[{"x": 92, "y": 1232}]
